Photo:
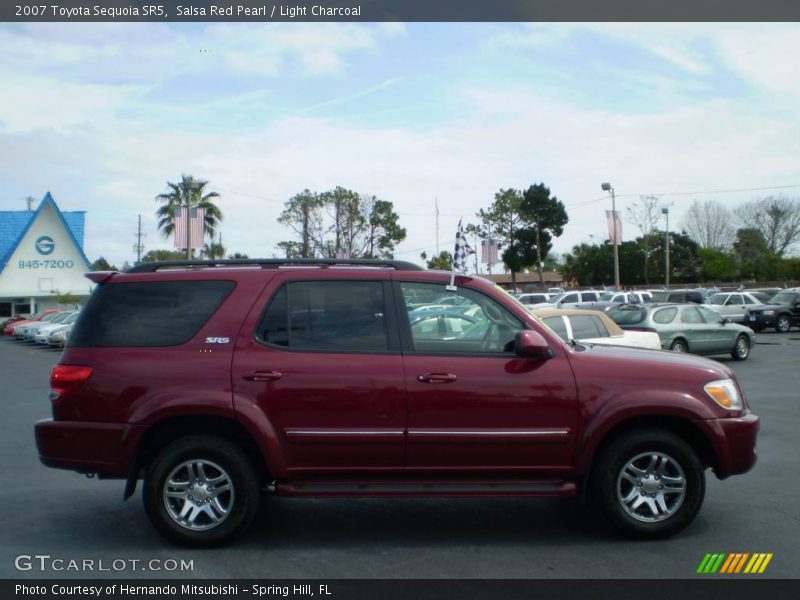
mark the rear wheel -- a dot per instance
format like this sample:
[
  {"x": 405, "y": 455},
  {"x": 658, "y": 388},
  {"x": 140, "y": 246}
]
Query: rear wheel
[
  {"x": 201, "y": 491},
  {"x": 782, "y": 324},
  {"x": 650, "y": 483},
  {"x": 679, "y": 346},
  {"x": 741, "y": 349}
]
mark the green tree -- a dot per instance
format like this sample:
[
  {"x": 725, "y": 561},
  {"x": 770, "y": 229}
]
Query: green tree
[
  {"x": 685, "y": 265},
  {"x": 301, "y": 215},
  {"x": 340, "y": 223},
  {"x": 67, "y": 299},
  {"x": 238, "y": 256},
  {"x": 443, "y": 262},
  {"x": 776, "y": 218},
  {"x": 101, "y": 264},
  {"x": 546, "y": 217},
  {"x": 756, "y": 261},
  {"x": 645, "y": 214},
  {"x": 188, "y": 193},
  {"x": 213, "y": 250},
  {"x": 502, "y": 221},
  {"x": 159, "y": 255},
  {"x": 717, "y": 265}
]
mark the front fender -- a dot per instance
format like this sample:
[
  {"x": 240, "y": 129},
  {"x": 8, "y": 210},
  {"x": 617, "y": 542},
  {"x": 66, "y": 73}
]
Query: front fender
[{"x": 652, "y": 403}]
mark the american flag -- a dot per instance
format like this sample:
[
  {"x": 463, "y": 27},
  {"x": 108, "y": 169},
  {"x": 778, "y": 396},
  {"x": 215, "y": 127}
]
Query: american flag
[
  {"x": 461, "y": 252},
  {"x": 198, "y": 229}
]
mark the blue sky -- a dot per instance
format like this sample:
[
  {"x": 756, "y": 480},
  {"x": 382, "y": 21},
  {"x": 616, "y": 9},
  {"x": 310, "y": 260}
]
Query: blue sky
[{"x": 102, "y": 115}]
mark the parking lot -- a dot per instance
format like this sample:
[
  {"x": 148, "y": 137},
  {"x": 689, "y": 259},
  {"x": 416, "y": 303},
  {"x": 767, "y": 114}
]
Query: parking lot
[{"x": 67, "y": 516}]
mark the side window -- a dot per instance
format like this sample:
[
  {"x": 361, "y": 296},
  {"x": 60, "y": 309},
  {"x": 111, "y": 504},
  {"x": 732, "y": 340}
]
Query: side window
[
  {"x": 148, "y": 314},
  {"x": 334, "y": 316},
  {"x": 665, "y": 315},
  {"x": 476, "y": 323},
  {"x": 734, "y": 299},
  {"x": 570, "y": 299},
  {"x": 748, "y": 300},
  {"x": 691, "y": 316},
  {"x": 589, "y": 296},
  {"x": 587, "y": 327},
  {"x": 558, "y": 326}
]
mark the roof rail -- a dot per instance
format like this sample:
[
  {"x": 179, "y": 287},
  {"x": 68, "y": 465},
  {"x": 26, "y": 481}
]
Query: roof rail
[{"x": 274, "y": 263}]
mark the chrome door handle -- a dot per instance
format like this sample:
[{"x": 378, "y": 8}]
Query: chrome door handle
[
  {"x": 437, "y": 378},
  {"x": 262, "y": 376}
]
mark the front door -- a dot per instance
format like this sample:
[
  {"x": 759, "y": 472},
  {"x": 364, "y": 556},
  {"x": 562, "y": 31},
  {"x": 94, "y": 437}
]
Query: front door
[
  {"x": 320, "y": 358},
  {"x": 474, "y": 407}
]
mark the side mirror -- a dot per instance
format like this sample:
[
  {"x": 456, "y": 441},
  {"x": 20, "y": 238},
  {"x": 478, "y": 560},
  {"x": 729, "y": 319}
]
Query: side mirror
[{"x": 530, "y": 344}]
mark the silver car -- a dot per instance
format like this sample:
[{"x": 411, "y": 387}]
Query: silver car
[
  {"x": 687, "y": 328},
  {"x": 733, "y": 305}
]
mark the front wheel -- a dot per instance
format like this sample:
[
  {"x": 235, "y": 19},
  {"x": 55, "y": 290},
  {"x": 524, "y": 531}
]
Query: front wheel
[
  {"x": 650, "y": 483},
  {"x": 782, "y": 324},
  {"x": 200, "y": 491},
  {"x": 679, "y": 346},
  {"x": 741, "y": 349}
]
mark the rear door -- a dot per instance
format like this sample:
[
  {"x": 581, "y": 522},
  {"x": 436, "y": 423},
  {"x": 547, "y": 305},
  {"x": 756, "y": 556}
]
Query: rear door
[{"x": 319, "y": 357}]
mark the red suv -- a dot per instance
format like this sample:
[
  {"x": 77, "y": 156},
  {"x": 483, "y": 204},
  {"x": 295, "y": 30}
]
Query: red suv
[{"x": 217, "y": 381}]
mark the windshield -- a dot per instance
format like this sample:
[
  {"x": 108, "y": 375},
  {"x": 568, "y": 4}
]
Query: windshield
[{"x": 782, "y": 298}]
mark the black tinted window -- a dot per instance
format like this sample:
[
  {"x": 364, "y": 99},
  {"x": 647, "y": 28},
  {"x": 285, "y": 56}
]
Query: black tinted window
[
  {"x": 558, "y": 326},
  {"x": 163, "y": 313},
  {"x": 338, "y": 316},
  {"x": 628, "y": 315},
  {"x": 586, "y": 327}
]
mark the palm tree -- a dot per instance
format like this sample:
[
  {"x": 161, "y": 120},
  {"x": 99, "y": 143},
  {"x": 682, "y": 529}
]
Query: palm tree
[{"x": 189, "y": 192}]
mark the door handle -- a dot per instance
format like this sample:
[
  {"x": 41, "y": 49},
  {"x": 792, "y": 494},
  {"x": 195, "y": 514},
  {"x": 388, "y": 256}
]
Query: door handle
[
  {"x": 262, "y": 375},
  {"x": 437, "y": 378}
]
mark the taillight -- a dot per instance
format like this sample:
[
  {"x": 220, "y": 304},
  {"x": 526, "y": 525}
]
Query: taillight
[{"x": 65, "y": 378}]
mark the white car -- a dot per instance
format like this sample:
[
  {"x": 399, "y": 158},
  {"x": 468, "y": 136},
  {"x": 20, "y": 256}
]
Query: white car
[
  {"x": 40, "y": 336},
  {"x": 733, "y": 305},
  {"x": 595, "y": 327},
  {"x": 529, "y": 299},
  {"x": 26, "y": 332},
  {"x": 569, "y": 300}
]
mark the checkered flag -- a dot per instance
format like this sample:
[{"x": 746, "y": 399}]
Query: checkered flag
[{"x": 461, "y": 252}]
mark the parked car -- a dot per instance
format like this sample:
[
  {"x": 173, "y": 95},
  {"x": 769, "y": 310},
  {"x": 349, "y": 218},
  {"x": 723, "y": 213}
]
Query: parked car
[
  {"x": 216, "y": 383},
  {"x": 594, "y": 327},
  {"x": 11, "y": 328},
  {"x": 768, "y": 292},
  {"x": 781, "y": 313},
  {"x": 625, "y": 297},
  {"x": 534, "y": 298},
  {"x": 733, "y": 305},
  {"x": 569, "y": 300},
  {"x": 41, "y": 335},
  {"x": 32, "y": 329},
  {"x": 442, "y": 325},
  {"x": 697, "y": 296},
  {"x": 687, "y": 328},
  {"x": 58, "y": 337},
  {"x": 21, "y": 329}
]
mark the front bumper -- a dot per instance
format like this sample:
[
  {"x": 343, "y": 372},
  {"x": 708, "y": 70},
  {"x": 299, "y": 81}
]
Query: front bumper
[
  {"x": 734, "y": 443},
  {"x": 759, "y": 321},
  {"x": 87, "y": 447}
]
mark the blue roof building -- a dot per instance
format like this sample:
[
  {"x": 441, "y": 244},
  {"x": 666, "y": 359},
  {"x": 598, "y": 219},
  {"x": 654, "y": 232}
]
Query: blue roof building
[{"x": 41, "y": 255}]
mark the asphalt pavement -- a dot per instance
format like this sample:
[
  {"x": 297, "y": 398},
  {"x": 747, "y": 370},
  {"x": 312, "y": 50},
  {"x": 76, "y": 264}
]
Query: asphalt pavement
[{"x": 67, "y": 517}]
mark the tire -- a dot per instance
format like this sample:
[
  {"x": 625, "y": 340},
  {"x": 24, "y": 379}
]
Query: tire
[
  {"x": 649, "y": 460},
  {"x": 680, "y": 346},
  {"x": 782, "y": 324},
  {"x": 741, "y": 349},
  {"x": 212, "y": 516}
]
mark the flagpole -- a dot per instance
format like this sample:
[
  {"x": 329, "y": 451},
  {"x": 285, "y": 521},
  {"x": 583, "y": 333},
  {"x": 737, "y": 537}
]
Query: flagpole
[{"x": 436, "y": 201}]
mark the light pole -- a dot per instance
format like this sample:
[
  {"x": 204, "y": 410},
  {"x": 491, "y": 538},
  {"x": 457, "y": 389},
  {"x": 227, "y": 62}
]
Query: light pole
[
  {"x": 665, "y": 212},
  {"x": 606, "y": 187}
]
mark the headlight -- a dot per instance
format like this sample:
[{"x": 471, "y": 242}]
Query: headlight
[
  {"x": 724, "y": 393},
  {"x": 769, "y": 312}
]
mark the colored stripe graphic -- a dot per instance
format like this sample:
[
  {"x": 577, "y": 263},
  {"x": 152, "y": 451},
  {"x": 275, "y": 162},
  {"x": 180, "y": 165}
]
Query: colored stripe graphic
[{"x": 734, "y": 563}]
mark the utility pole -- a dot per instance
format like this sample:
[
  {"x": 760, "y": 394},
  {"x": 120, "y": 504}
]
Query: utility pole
[
  {"x": 188, "y": 231},
  {"x": 30, "y": 200},
  {"x": 138, "y": 247},
  {"x": 436, "y": 201},
  {"x": 665, "y": 212},
  {"x": 606, "y": 187}
]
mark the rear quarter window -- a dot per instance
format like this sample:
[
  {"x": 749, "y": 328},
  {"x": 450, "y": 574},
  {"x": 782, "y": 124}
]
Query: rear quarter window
[
  {"x": 148, "y": 314},
  {"x": 628, "y": 315}
]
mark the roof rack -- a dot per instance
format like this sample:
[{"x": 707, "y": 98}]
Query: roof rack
[{"x": 275, "y": 263}]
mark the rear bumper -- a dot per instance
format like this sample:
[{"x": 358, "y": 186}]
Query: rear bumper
[
  {"x": 734, "y": 442},
  {"x": 102, "y": 448}
]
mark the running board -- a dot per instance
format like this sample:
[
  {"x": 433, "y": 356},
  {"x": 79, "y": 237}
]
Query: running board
[{"x": 427, "y": 488}]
